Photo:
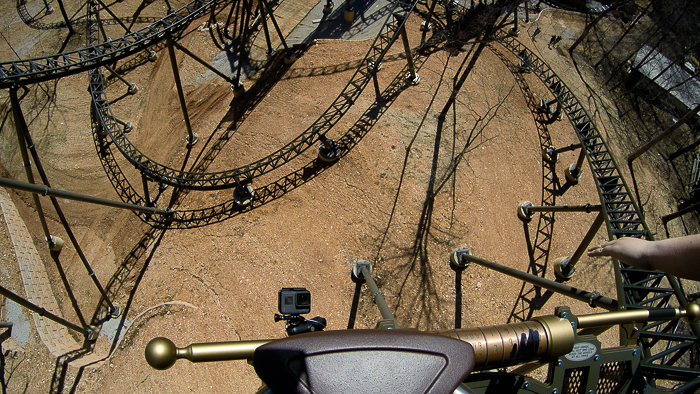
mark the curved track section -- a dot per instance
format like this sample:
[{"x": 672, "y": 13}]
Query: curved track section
[
  {"x": 637, "y": 289},
  {"x": 231, "y": 178},
  {"x": 19, "y": 73}
]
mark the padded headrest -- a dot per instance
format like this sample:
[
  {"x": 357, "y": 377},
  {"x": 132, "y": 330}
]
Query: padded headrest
[{"x": 364, "y": 361}]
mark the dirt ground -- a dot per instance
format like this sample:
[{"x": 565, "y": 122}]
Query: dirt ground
[{"x": 219, "y": 282}]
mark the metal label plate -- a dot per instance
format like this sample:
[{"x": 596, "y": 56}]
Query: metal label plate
[{"x": 582, "y": 351}]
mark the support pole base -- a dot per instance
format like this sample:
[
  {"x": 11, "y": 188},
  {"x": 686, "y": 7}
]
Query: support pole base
[
  {"x": 243, "y": 195},
  {"x": 349, "y": 15},
  {"x": 152, "y": 56},
  {"x": 116, "y": 311},
  {"x": 562, "y": 270},
  {"x": 327, "y": 9},
  {"x": 549, "y": 155},
  {"x": 513, "y": 31},
  {"x": 524, "y": 212},
  {"x": 55, "y": 243},
  {"x": 356, "y": 272},
  {"x": 290, "y": 58},
  {"x": 573, "y": 174},
  {"x": 457, "y": 262},
  {"x": 329, "y": 151},
  {"x": 91, "y": 333},
  {"x": 128, "y": 127},
  {"x": 426, "y": 26},
  {"x": 412, "y": 78},
  {"x": 237, "y": 90},
  {"x": 133, "y": 89},
  {"x": 193, "y": 140}
]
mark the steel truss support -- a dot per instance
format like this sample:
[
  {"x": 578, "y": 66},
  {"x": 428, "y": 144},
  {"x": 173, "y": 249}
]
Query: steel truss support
[
  {"x": 636, "y": 289},
  {"x": 90, "y": 332},
  {"x": 191, "y": 137}
]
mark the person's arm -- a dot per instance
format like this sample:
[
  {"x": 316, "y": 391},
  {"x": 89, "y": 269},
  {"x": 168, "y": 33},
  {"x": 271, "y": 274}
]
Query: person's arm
[{"x": 676, "y": 256}]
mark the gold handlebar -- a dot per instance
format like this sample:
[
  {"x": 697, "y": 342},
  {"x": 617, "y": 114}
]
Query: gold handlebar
[{"x": 546, "y": 337}]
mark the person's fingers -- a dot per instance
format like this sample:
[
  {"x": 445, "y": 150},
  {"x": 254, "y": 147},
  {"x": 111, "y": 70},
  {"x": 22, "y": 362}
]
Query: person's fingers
[{"x": 600, "y": 250}]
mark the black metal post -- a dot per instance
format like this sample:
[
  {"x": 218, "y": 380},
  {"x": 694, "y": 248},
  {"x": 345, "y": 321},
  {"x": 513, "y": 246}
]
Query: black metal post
[
  {"x": 377, "y": 90},
  {"x": 21, "y": 124},
  {"x": 191, "y": 137},
  {"x": 426, "y": 25},
  {"x": 119, "y": 21},
  {"x": 573, "y": 172},
  {"x": 526, "y": 209},
  {"x": 65, "y": 16},
  {"x": 274, "y": 22},
  {"x": 572, "y": 292},
  {"x": 411, "y": 76},
  {"x": 42, "y": 312},
  {"x": 567, "y": 148},
  {"x": 202, "y": 62},
  {"x": 132, "y": 89},
  {"x": 266, "y": 30},
  {"x": 564, "y": 268},
  {"x": 146, "y": 193},
  {"x": 48, "y": 191}
]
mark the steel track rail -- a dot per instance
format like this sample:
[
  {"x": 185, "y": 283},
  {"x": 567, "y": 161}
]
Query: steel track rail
[
  {"x": 637, "y": 289},
  {"x": 230, "y": 178},
  {"x": 24, "y": 72}
]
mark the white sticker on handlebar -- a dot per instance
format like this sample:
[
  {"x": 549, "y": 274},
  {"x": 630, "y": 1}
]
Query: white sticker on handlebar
[{"x": 582, "y": 351}]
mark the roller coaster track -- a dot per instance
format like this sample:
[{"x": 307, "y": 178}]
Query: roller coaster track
[
  {"x": 231, "y": 178},
  {"x": 24, "y": 72},
  {"x": 637, "y": 289}
]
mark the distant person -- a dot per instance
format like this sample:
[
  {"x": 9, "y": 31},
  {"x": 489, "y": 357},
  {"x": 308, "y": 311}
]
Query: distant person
[{"x": 676, "y": 256}]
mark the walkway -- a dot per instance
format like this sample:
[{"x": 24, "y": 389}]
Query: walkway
[{"x": 36, "y": 285}]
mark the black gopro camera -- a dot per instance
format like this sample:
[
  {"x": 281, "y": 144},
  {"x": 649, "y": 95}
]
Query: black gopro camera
[{"x": 294, "y": 301}]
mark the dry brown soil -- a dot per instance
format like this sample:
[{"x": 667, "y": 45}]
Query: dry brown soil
[{"x": 219, "y": 282}]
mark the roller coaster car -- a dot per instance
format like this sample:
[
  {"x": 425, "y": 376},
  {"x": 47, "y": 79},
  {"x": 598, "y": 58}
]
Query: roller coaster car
[{"x": 364, "y": 361}]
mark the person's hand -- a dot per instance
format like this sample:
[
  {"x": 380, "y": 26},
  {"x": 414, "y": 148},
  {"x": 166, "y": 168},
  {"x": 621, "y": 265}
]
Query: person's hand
[{"x": 631, "y": 251}]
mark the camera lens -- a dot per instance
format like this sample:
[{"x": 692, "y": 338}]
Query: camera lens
[{"x": 303, "y": 299}]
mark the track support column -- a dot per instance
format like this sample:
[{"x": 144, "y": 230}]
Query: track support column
[
  {"x": 362, "y": 270},
  {"x": 564, "y": 267},
  {"x": 411, "y": 77},
  {"x": 191, "y": 137},
  {"x": 592, "y": 298},
  {"x": 21, "y": 125},
  {"x": 131, "y": 88},
  {"x": 90, "y": 332},
  {"x": 526, "y": 209},
  {"x": 573, "y": 172},
  {"x": 426, "y": 25}
]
